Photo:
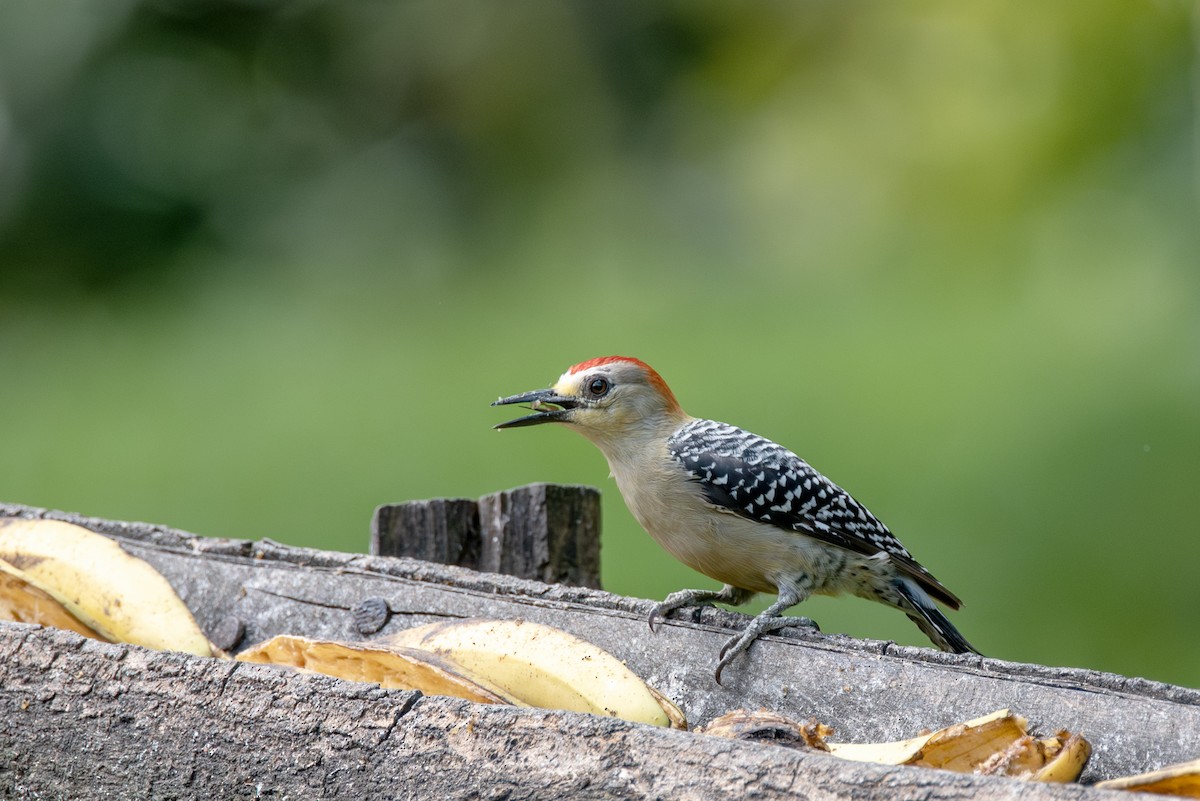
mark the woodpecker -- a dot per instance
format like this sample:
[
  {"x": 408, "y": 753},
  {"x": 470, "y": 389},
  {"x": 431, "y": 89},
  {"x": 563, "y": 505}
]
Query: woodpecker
[{"x": 735, "y": 506}]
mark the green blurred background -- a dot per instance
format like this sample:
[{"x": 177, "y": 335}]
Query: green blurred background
[{"x": 264, "y": 264}]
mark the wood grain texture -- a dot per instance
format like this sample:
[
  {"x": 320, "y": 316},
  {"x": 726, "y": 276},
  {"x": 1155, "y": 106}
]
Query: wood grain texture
[
  {"x": 444, "y": 530},
  {"x": 545, "y": 532},
  {"x": 90, "y": 720},
  {"x": 868, "y": 691}
]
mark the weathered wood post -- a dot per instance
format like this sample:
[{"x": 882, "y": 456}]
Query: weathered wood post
[{"x": 544, "y": 532}]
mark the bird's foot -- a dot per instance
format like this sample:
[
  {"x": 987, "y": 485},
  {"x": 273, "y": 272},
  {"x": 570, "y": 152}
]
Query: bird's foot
[
  {"x": 680, "y": 599},
  {"x": 763, "y": 624},
  {"x": 728, "y": 594}
]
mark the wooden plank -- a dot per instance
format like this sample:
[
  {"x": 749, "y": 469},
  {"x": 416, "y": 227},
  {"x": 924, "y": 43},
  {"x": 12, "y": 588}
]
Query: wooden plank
[
  {"x": 868, "y": 691},
  {"x": 85, "y": 719}
]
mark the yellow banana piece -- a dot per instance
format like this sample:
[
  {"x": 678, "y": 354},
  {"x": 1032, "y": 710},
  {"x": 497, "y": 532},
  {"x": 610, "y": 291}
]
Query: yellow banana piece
[
  {"x": 974, "y": 733},
  {"x": 22, "y": 600},
  {"x": 993, "y": 744},
  {"x": 1182, "y": 779},
  {"x": 388, "y": 665},
  {"x": 544, "y": 667},
  {"x": 117, "y": 595},
  {"x": 996, "y": 744},
  {"x": 1066, "y": 766}
]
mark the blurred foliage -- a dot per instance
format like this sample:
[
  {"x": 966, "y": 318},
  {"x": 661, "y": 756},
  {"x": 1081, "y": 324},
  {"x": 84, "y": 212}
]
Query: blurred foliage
[{"x": 263, "y": 264}]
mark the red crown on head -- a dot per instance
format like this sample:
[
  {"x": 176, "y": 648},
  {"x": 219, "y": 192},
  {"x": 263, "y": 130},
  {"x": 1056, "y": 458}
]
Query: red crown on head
[{"x": 652, "y": 375}]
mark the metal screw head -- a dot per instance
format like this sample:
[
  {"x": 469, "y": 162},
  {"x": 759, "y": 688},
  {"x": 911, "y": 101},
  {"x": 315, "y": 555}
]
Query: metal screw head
[{"x": 370, "y": 615}]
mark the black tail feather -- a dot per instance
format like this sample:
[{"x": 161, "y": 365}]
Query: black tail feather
[{"x": 929, "y": 619}]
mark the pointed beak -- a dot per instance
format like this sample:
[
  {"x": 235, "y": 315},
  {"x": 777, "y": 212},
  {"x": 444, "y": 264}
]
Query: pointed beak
[{"x": 548, "y": 407}]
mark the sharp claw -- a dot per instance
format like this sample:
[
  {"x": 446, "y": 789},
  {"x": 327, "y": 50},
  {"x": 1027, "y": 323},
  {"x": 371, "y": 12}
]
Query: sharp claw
[
  {"x": 653, "y": 617},
  {"x": 723, "y": 661},
  {"x": 725, "y": 649}
]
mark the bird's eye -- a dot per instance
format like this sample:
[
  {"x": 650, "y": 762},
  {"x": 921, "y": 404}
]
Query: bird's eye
[{"x": 598, "y": 387}]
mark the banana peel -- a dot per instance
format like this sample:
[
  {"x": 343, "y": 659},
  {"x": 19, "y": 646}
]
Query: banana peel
[
  {"x": 996, "y": 744},
  {"x": 1182, "y": 779},
  {"x": 111, "y": 593},
  {"x": 392, "y": 667},
  {"x": 487, "y": 661},
  {"x": 23, "y": 601},
  {"x": 545, "y": 667}
]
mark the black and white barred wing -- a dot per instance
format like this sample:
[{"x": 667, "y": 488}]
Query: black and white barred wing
[{"x": 748, "y": 475}]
